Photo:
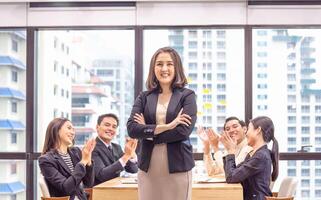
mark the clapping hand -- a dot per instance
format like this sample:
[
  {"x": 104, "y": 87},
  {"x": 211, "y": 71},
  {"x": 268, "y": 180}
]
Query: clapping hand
[
  {"x": 129, "y": 151},
  {"x": 87, "y": 150},
  {"x": 203, "y": 136},
  {"x": 229, "y": 143},
  {"x": 213, "y": 138},
  {"x": 133, "y": 155}
]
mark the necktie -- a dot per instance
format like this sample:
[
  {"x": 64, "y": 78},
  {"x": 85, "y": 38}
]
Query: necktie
[
  {"x": 111, "y": 152},
  {"x": 110, "y": 149}
]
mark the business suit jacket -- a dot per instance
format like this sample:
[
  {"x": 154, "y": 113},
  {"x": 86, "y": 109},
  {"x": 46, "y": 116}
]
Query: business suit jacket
[
  {"x": 254, "y": 173},
  {"x": 179, "y": 148},
  {"x": 107, "y": 165},
  {"x": 60, "y": 180}
]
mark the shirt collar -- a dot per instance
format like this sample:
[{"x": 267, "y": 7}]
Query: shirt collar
[
  {"x": 242, "y": 144},
  {"x": 106, "y": 144}
]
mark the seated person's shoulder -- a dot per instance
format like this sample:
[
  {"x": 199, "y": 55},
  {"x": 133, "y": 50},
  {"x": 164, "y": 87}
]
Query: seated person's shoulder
[
  {"x": 116, "y": 146},
  {"x": 263, "y": 154},
  {"x": 46, "y": 158},
  {"x": 75, "y": 150}
]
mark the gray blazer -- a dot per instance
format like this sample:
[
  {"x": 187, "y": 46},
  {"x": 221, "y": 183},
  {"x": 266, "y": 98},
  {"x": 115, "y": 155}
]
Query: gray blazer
[
  {"x": 107, "y": 165},
  {"x": 179, "y": 148}
]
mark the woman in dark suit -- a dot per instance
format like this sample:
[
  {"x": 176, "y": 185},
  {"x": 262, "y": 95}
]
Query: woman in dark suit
[
  {"x": 255, "y": 171},
  {"x": 67, "y": 170},
  {"x": 163, "y": 117}
]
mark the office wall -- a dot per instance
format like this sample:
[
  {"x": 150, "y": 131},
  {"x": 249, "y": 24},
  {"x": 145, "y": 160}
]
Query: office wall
[{"x": 160, "y": 13}]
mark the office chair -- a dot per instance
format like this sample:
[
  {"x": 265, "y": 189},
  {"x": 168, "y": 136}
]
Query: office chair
[
  {"x": 90, "y": 192},
  {"x": 45, "y": 195},
  {"x": 286, "y": 191}
]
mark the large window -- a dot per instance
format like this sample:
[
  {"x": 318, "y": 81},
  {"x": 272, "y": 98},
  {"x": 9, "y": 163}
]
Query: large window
[
  {"x": 293, "y": 87},
  {"x": 214, "y": 72},
  {"x": 90, "y": 73}
]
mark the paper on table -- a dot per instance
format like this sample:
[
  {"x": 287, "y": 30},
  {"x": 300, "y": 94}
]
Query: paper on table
[
  {"x": 211, "y": 180},
  {"x": 129, "y": 181}
]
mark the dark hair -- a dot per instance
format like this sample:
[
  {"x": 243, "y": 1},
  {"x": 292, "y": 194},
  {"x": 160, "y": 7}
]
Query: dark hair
[
  {"x": 52, "y": 134},
  {"x": 179, "y": 80},
  {"x": 267, "y": 128},
  {"x": 101, "y": 118},
  {"x": 241, "y": 122}
]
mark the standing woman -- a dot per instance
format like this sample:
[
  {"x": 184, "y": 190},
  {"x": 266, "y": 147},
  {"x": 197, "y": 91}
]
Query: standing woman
[
  {"x": 255, "y": 172},
  {"x": 163, "y": 117},
  {"x": 66, "y": 169}
]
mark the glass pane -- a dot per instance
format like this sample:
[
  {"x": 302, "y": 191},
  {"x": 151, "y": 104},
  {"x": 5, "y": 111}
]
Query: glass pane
[
  {"x": 287, "y": 87},
  {"x": 83, "y": 74},
  {"x": 12, "y": 90},
  {"x": 12, "y": 179},
  {"x": 213, "y": 61}
]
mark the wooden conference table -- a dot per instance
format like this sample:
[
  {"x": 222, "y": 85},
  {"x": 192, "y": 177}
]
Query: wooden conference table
[{"x": 126, "y": 189}]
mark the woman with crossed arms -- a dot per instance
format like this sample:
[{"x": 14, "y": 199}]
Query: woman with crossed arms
[{"x": 163, "y": 117}]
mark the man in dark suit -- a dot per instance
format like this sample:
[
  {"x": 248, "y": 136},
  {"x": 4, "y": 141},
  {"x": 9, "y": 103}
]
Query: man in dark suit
[{"x": 108, "y": 157}]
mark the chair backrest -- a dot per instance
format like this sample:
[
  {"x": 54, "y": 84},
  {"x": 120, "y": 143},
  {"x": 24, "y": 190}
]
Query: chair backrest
[
  {"x": 45, "y": 195},
  {"x": 288, "y": 187},
  {"x": 89, "y": 191},
  {"x": 271, "y": 185},
  {"x": 43, "y": 187}
]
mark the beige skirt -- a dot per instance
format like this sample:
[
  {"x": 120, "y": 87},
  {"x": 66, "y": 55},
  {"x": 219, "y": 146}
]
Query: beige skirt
[{"x": 159, "y": 184}]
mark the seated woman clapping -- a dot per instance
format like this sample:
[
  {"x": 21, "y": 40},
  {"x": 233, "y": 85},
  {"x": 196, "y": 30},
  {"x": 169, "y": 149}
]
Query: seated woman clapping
[
  {"x": 255, "y": 172},
  {"x": 66, "y": 169}
]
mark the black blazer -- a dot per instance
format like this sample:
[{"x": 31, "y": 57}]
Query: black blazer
[
  {"x": 254, "y": 173},
  {"x": 107, "y": 165},
  {"x": 179, "y": 148},
  {"x": 60, "y": 180}
]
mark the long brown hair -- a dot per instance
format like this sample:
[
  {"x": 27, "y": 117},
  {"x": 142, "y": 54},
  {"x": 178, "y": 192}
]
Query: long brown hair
[
  {"x": 267, "y": 128},
  {"x": 179, "y": 80},
  {"x": 52, "y": 134}
]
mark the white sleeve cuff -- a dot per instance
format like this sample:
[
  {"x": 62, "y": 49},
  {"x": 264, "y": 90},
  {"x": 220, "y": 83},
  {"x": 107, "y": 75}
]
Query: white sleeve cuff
[{"x": 122, "y": 162}]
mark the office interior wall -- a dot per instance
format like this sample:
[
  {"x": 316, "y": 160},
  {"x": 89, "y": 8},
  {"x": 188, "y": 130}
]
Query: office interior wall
[
  {"x": 159, "y": 14},
  {"x": 13, "y": 14},
  {"x": 209, "y": 13},
  {"x": 284, "y": 15},
  {"x": 95, "y": 16}
]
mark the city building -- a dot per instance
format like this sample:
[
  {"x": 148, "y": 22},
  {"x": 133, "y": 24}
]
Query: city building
[{"x": 13, "y": 112}]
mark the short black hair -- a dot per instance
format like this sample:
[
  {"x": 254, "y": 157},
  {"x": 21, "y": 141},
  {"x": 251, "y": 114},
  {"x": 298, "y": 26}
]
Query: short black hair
[
  {"x": 101, "y": 117},
  {"x": 241, "y": 122}
]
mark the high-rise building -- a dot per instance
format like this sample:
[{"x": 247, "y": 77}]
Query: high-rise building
[
  {"x": 285, "y": 77},
  {"x": 117, "y": 74},
  {"x": 13, "y": 112},
  {"x": 88, "y": 102},
  {"x": 54, "y": 78},
  {"x": 209, "y": 65}
]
